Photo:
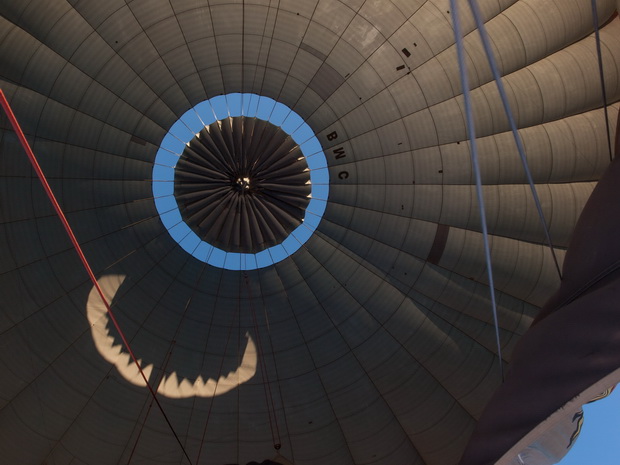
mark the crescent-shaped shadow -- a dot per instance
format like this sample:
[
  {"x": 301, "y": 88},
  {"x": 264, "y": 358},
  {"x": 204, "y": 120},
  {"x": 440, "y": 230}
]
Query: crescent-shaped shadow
[{"x": 169, "y": 386}]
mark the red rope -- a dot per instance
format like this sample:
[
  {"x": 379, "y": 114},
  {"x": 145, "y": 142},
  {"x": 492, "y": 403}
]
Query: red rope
[{"x": 35, "y": 164}]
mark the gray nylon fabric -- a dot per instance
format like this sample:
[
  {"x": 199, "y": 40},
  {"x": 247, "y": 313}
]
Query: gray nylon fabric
[{"x": 373, "y": 343}]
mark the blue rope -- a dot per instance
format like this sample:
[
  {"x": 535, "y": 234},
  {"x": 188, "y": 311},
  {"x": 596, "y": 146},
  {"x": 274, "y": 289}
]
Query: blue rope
[
  {"x": 502, "y": 92},
  {"x": 471, "y": 133},
  {"x": 602, "y": 74}
]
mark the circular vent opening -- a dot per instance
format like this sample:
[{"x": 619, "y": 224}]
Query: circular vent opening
[{"x": 240, "y": 181}]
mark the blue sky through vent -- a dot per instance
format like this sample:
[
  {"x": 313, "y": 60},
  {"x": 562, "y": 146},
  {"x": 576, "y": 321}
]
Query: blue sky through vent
[{"x": 185, "y": 129}]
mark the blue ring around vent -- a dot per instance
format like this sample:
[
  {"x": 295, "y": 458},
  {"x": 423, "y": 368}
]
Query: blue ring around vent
[{"x": 186, "y": 128}]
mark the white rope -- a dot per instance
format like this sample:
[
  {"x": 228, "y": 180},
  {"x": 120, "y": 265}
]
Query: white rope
[
  {"x": 502, "y": 92},
  {"x": 471, "y": 133},
  {"x": 599, "y": 55}
]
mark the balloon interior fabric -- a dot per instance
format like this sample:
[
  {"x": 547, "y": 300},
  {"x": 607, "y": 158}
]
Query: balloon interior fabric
[{"x": 372, "y": 342}]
